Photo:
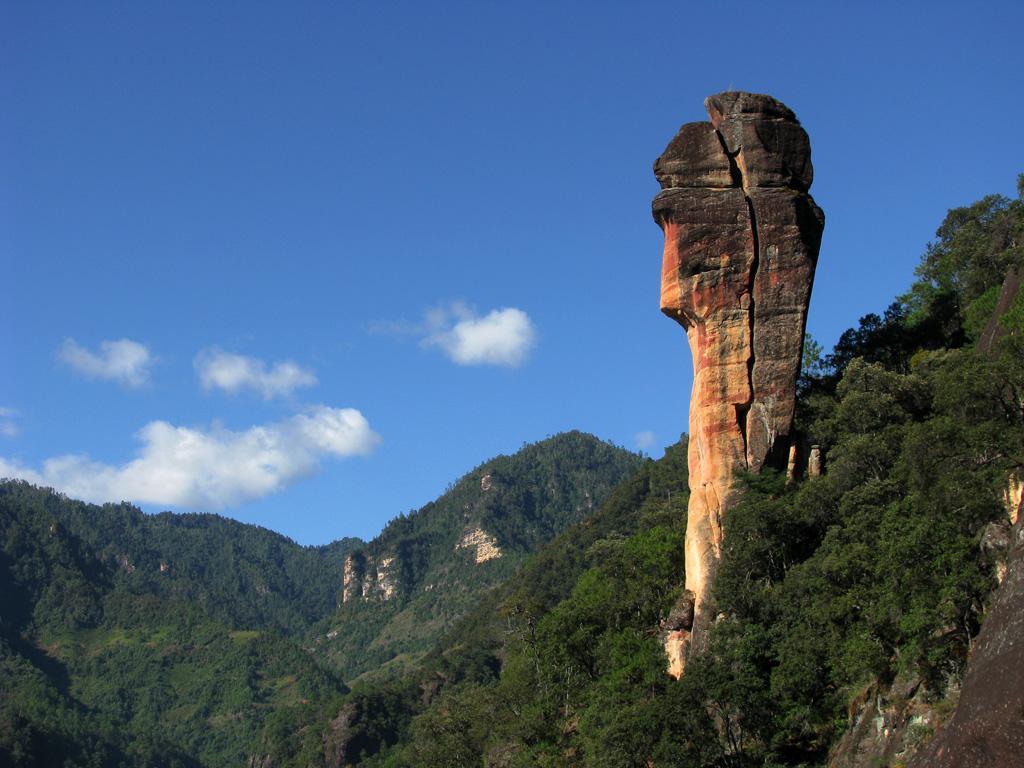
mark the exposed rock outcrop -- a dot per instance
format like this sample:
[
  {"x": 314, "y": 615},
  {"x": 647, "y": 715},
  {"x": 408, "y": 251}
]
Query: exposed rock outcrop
[
  {"x": 338, "y": 737},
  {"x": 484, "y": 545},
  {"x": 814, "y": 462},
  {"x": 1013, "y": 499},
  {"x": 352, "y": 578},
  {"x": 367, "y": 578},
  {"x": 386, "y": 584},
  {"x": 676, "y": 633},
  {"x": 886, "y": 723},
  {"x": 1007, "y": 294},
  {"x": 741, "y": 244}
]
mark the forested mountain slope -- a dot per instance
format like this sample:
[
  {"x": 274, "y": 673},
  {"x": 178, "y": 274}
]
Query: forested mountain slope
[
  {"x": 407, "y": 586},
  {"x": 130, "y": 639},
  {"x": 240, "y": 574},
  {"x": 97, "y": 668}
]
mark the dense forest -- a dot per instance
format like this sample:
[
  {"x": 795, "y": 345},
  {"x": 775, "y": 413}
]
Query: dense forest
[
  {"x": 164, "y": 640},
  {"x": 132, "y": 639}
]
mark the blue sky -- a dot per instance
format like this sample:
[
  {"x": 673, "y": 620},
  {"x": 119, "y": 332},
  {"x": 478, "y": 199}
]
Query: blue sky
[{"x": 305, "y": 264}]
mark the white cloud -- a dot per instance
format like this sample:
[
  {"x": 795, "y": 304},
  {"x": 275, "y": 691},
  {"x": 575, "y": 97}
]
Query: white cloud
[
  {"x": 223, "y": 370},
  {"x": 209, "y": 468},
  {"x": 501, "y": 337},
  {"x": 645, "y": 440},
  {"x": 122, "y": 360},
  {"x": 8, "y": 426}
]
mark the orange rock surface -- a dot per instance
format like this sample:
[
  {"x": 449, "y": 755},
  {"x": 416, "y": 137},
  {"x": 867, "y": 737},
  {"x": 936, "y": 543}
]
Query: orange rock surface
[{"x": 741, "y": 243}]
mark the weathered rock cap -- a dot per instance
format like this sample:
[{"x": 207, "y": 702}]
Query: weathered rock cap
[
  {"x": 695, "y": 158},
  {"x": 763, "y": 136},
  {"x": 737, "y": 103}
]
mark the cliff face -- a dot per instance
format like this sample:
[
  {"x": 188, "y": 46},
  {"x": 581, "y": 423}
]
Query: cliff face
[
  {"x": 367, "y": 578},
  {"x": 741, "y": 243},
  {"x": 483, "y": 545}
]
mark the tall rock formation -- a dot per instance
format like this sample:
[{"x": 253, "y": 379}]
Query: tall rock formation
[{"x": 741, "y": 243}]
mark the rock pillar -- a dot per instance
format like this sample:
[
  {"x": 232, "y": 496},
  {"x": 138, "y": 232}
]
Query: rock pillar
[{"x": 741, "y": 243}]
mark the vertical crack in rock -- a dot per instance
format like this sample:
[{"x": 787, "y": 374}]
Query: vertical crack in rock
[
  {"x": 741, "y": 244},
  {"x": 751, "y": 313},
  {"x": 745, "y": 415},
  {"x": 739, "y": 179},
  {"x": 734, "y": 169}
]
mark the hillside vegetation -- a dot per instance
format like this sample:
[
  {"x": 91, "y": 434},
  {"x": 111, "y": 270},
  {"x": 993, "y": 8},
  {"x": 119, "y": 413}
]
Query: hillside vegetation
[
  {"x": 98, "y": 667},
  {"x": 514, "y": 504},
  {"x": 181, "y": 640}
]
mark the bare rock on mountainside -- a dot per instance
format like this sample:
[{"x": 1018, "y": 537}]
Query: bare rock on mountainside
[
  {"x": 886, "y": 723},
  {"x": 367, "y": 578},
  {"x": 741, "y": 244},
  {"x": 484, "y": 545}
]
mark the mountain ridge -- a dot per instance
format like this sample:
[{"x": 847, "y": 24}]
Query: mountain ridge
[{"x": 184, "y": 639}]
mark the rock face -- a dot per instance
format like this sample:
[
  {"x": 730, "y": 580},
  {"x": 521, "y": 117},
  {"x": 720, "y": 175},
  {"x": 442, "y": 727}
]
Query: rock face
[
  {"x": 367, "y": 578},
  {"x": 885, "y": 724},
  {"x": 352, "y": 578},
  {"x": 741, "y": 243},
  {"x": 676, "y": 633},
  {"x": 485, "y": 547},
  {"x": 993, "y": 330}
]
